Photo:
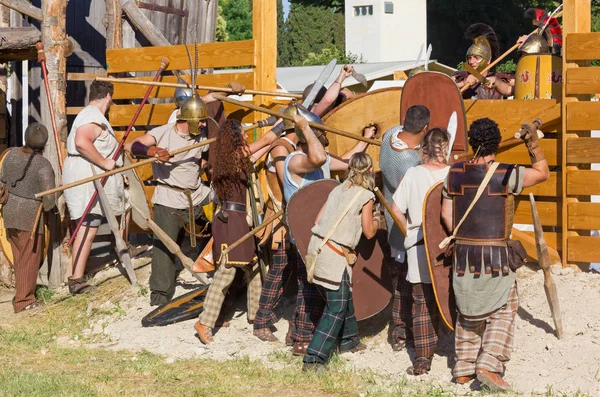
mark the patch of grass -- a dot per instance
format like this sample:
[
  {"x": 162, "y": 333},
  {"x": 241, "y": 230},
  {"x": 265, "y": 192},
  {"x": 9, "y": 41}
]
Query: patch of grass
[{"x": 44, "y": 294}]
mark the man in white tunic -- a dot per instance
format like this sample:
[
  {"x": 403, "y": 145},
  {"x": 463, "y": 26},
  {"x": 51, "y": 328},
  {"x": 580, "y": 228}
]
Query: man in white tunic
[{"x": 91, "y": 143}]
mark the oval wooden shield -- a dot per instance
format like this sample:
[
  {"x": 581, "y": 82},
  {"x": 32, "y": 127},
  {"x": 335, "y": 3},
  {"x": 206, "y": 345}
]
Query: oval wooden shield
[
  {"x": 439, "y": 93},
  {"x": 440, "y": 267},
  {"x": 379, "y": 106},
  {"x": 372, "y": 283},
  {"x": 182, "y": 308},
  {"x": 539, "y": 77}
]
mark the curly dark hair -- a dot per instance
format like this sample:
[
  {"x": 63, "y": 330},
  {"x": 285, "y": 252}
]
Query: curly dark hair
[
  {"x": 484, "y": 137},
  {"x": 232, "y": 160}
]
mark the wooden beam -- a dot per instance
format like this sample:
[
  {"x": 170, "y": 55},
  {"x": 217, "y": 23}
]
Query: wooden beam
[
  {"x": 166, "y": 10},
  {"x": 583, "y": 182},
  {"x": 582, "y": 46},
  {"x": 528, "y": 240},
  {"x": 210, "y": 55},
  {"x": 584, "y": 80},
  {"x": 552, "y": 239},
  {"x": 548, "y": 211},
  {"x": 86, "y": 76},
  {"x": 24, "y": 7},
  {"x": 550, "y": 188},
  {"x": 19, "y": 38},
  {"x": 584, "y": 216},
  {"x": 114, "y": 31},
  {"x": 520, "y": 155},
  {"x": 583, "y": 150},
  {"x": 143, "y": 24},
  {"x": 583, "y": 249},
  {"x": 583, "y": 116}
]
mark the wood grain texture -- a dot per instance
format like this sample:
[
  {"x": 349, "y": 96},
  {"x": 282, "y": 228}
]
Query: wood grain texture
[
  {"x": 528, "y": 240},
  {"x": 552, "y": 239},
  {"x": 210, "y": 55},
  {"x": 550, "y": 188},
  {"x": 583, "y": 150},
  {"x": 548, "y": 212},
  {"x": 583, "y": 116},
  {"x": 583, "y": 249},
  {"x": 584, "y": 216},
  {"x": 520, "y": 155},
  {"x": 583, "y": 182},
  {"x": 585, "y": 80},
  {"x": 582, "y": 46}
]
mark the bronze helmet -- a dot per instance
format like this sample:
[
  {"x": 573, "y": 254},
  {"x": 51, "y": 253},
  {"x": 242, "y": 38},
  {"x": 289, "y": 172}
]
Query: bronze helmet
[
  {"x": 312, "y": 118},
  {"x": 182, "y": 94},
  {"x": 291, "y": 110},
  {"x": 417, "y": 70},
  {"x": 193, "y": 111},
  {"x": 535, "y": 44},
  {"x": 36, "y": 136}
]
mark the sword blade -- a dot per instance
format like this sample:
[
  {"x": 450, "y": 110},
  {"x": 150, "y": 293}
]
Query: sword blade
[
  {"x": 360, "y": 78},
  {"x": 319, "y": 83},
  {"x": 474, "y": 72},
  {"x": 452, "y": 126},
  {"x": 427, "y": 55}
]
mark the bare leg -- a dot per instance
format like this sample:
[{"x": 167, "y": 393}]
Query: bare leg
[{"x": 81, "y": 249}]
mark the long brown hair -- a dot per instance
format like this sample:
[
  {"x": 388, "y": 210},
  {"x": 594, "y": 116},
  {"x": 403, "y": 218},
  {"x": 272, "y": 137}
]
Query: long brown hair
[
  {"x": 232, "y": 160},
  {"x": 434, "y": 145}
]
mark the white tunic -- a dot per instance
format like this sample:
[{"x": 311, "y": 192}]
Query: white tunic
[{"x": 77, "y": 167}]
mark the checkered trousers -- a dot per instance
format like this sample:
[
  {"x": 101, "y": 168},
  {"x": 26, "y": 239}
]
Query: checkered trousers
[
  {"x": 493, "y": 336},
  {"x": 282, "y": 264},
  {"x": 337, "y": 323},
  {"x": 402, "y": 308},
  {"x": 425, "y": 320},
  {"x": 217, "y": 291},
  {"x": 309, "y": 307}
]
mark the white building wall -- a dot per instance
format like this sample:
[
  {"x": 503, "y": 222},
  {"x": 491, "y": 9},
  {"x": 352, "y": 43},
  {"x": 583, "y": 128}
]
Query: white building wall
[{"x": 386, "y": 37}]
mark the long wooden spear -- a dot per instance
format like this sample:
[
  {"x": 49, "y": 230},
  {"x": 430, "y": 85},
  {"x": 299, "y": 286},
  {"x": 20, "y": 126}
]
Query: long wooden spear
[
  {"x": 122, "y": 169},
  {"x": 164, "y": 62},
  {"x": 198, "y": 87},
  {"x": 286, "y": 117}
]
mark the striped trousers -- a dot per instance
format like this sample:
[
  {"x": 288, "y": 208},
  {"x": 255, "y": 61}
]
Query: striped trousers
[
  {"x": 425, "y": 320},
  {"x": 309, "y": 307},
  {"x": 486, "y": 344},
  {"x": 27, "y": 260},
  {"x": 217, "y": 290},
  {"x": 402, "y": 307}
]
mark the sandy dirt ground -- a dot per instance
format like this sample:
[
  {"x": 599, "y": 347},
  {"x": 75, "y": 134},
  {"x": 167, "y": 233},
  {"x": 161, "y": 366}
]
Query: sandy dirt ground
[{"x": 540, "y": 362}]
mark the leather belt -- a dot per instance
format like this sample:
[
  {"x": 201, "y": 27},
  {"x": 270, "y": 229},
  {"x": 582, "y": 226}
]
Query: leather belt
[
  {"x": 228, "y": 206},
  {"x": 335, "y": 249},
  {"x": 481, "y": 243}
]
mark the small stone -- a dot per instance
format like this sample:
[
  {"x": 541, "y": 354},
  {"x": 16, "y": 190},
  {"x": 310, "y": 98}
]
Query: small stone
[
  {"x": 169, "y": 360},
  {"x": 76, "y": 337},
  {"x": 134, "y": 358},
  {"x": 567, "y": 271},
  {"x": 43, "y": 352},
  {"x": 93, "y": 358}
]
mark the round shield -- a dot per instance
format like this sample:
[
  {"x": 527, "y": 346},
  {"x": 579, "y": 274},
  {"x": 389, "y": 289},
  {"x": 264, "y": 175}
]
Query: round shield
[
  {"x": 439, "y": 93},
  {"x": 440, "y": 264},
  {"x": 372, "y": 283},
  {"x": 539, "y": 77},
  {"x": 137, "y": 195}
]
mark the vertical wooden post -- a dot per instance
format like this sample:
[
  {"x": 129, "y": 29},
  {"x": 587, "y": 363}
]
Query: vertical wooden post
[
  {"x": 576, "y": 19},
  {"x": 264, "y": 32},
  {"x": 56, "y": 47},
  {"x": 114, "y": 34}
]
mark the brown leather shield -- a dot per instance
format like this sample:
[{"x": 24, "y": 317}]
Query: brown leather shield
[
  {"x": 439, "y": 93},
  {"x": 372, "y": 284},
  {"x": 440, "y": 266}
]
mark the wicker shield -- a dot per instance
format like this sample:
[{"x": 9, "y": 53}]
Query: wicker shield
[
  {"x": 372, "y": 283},
  {"x": 440, "y": 266},
  {"x": 439, "y": 93},
  {"x": 539, "y": 77}
]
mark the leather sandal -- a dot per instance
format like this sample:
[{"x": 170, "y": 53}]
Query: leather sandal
[
  {"x": 421, "y": 366},
  {"x": 79, "y": 286},
  {"x": 359, "y": 347},
  {"x": 461, "y": 380},
  {"x": 265, "y": 334},
  {"x": 288, "y": 336},
  {"x": 398, "y": 345},
  {"x": 204, "y": 333},
  {"x": 492, "y": 380},
  {"x": 299, "y": 348}
]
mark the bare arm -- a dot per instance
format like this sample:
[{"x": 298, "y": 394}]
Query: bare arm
[
  {"x": 341, "y": 163},
  {"x": 447, "y": 213},
  {"x": 315, "y": 156},
  {"x": 369, "y": 223},
  {"x": 145, "y": 139},
  {"x": 333, "y": 91},
  {"x": 537, "y": 174},
  {"x": 262, "y": 142},
  {"x": 84, "y": 142},
  {"x": 400, "y": 215}
]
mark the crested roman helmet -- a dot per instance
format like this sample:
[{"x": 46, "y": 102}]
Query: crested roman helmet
[
  {"x": 312, "y": 118},
  {"x": 548, "y": 37},
  {"x": 193, "y": 110},
  {"x": 36, "y": 136},
  {"x": 290, "y": 111},
  {"x": 485, "y": 43},
  {"x": 535, "y": 44},
  {"x": 182, "y": 94}
]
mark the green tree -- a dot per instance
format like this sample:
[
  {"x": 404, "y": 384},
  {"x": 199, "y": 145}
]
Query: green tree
[
  {"x": 221, "y": 26},
  {"x": 329, "y": 53},
  {"x": 238, "y": 15},
  {"x": 283, "y": 47}
]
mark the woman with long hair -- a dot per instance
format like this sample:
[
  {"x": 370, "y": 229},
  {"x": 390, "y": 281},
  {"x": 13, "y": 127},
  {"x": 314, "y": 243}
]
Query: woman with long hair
[
  {"x": 231, "y": 173},
  {"x": 408, "y": 205},
  {"x": 347, "y": 214}
]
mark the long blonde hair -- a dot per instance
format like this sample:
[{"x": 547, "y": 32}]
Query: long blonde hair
[
  {"x": 434, "y": 145},
  {"x": 359, "y": 171}
]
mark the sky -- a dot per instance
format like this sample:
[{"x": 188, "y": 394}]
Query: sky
[{"x": 286, "y": 8}]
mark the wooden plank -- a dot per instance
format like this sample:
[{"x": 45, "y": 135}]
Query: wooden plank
[
  {"x": 132, "y": 134},
  {"x": 583, "y": 249},
  {"x": 582, "y": 46},
  {"x": 128, "y": 91},
  {"x": 585, "y": 80},
  {"x": 74, "y": 110},
  {"x": 584, "y": 216},
  {"x": 84, "y": 76},
  {"x": 583, "y": 183},
  {"x": 548, "y": 212},
  {"x": 528, "y": 240},
  {"x": 549, "y": 188},
  {"x": 552, "y": 239},
  {"x": 210, "y": 55},
  {"x": 583, "y": 150},
  {"x": 511, "y": 114},
  {"x": 583, "y": 116},
  {"x": 158, "y": 114},
  {"x": 520, "y": 155}
]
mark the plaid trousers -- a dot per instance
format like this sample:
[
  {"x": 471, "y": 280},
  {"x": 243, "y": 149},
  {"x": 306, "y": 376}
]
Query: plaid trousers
[
  {"x": 337, "y": 323},
  {"x": 402, "y": 308},
  {"x": 282, "y": 261},
  {"x": 309, "y": 307},
  {"x": 486, "y": 344},
  {"x": 425, "y": 320},
  {"x": 218, "y": 289}
]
